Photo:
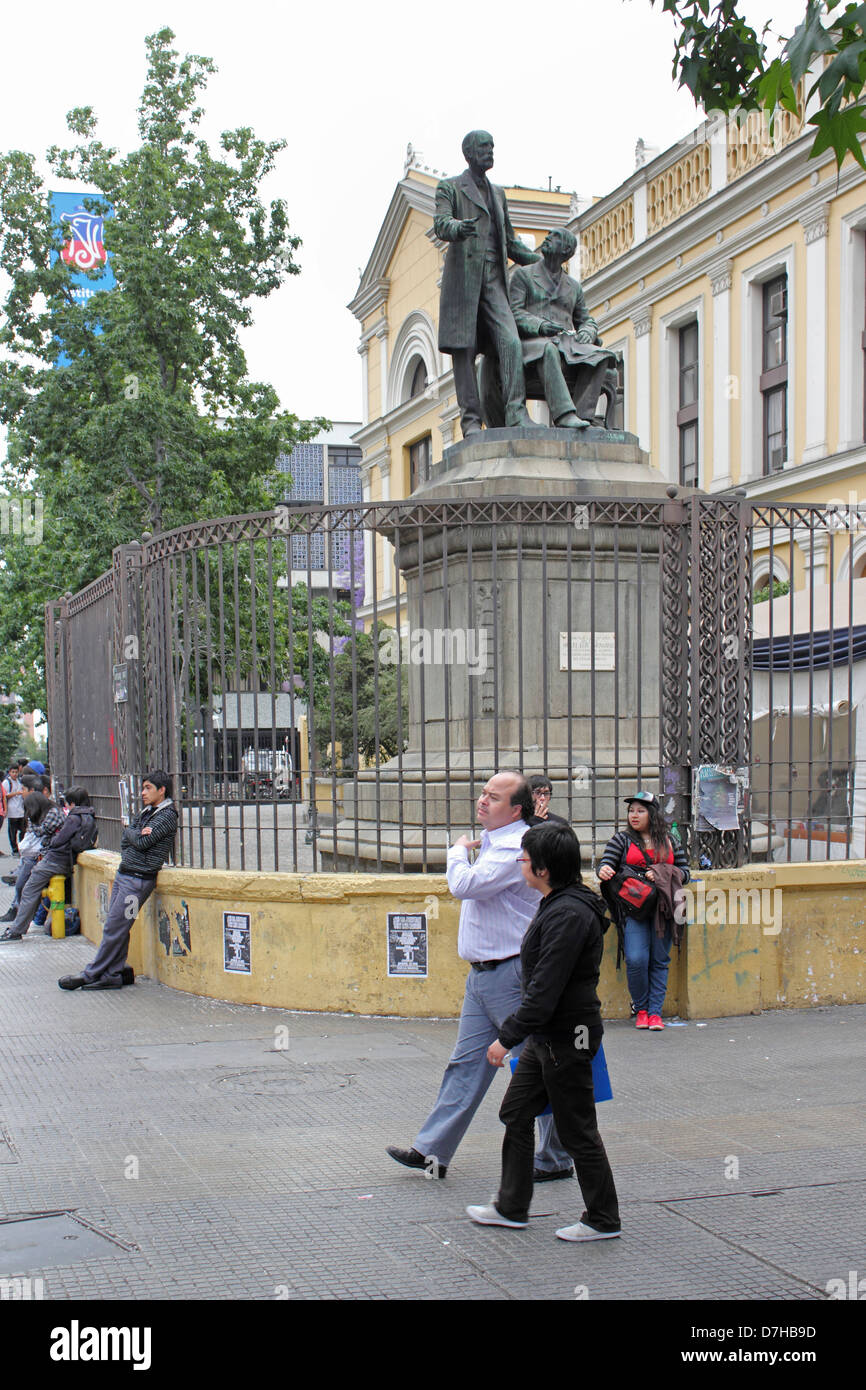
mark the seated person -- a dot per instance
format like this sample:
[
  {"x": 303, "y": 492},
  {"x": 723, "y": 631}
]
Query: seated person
[{"x": 562, "y": 357}]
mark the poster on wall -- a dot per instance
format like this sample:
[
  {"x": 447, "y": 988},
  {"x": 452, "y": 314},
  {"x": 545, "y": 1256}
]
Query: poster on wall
[
  {"x": 407, "y": 944},
  {"x": 236, "y": 942}
]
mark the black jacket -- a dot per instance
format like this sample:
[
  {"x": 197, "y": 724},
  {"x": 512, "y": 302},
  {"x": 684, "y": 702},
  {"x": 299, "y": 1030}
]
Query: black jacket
[
  {"x": 60, "y": 840},
  {"x": 144, "y": 855},
  {"x": 560, "y": 959}
]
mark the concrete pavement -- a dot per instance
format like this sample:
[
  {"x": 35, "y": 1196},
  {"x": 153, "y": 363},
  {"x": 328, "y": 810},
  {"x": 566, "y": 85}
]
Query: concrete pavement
[{"x": 170, "y": 1147}]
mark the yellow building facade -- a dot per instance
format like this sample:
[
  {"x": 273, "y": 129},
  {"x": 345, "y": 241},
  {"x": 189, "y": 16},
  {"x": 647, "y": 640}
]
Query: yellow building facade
[{"x": 729, "y": 272}]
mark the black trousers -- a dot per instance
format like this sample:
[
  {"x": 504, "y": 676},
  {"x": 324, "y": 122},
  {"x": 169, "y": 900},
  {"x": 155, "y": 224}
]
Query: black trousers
[
  {"x": 15, "y": 829},
  {"x": 561, "y": 1074}
]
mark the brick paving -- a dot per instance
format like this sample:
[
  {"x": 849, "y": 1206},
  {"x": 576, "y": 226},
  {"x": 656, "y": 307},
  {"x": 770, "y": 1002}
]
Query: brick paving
[{"x": 212, "y": 1163}]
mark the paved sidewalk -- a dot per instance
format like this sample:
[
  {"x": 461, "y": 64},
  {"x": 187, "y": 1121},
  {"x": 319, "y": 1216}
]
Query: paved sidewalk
[{"x": 201, "y": 1158}]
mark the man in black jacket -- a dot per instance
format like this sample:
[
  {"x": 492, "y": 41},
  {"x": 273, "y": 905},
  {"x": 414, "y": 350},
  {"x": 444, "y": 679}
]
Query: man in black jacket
[
  {"x": 560, "y": 1015},
  {"x": 144, "y": 847}
]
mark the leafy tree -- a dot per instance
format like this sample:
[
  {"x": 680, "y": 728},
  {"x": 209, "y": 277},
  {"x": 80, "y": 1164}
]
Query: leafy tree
[
  {"x": 10, "y": 737},
  {"x": 362, "y": 687},
  {"x": 135, "y": 410},
  {"x": 723, "y": 62}
]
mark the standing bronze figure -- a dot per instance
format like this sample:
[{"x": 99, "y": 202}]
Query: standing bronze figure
[{"x": 474, "y": 310}]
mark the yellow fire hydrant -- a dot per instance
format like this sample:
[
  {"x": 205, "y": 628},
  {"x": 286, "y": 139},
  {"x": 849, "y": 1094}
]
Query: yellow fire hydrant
[{"x": 57, "y": 896}]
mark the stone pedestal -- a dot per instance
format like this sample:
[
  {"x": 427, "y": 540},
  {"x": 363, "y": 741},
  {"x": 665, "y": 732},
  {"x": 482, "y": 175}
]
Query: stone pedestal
[{"x": 503, "y": 585}]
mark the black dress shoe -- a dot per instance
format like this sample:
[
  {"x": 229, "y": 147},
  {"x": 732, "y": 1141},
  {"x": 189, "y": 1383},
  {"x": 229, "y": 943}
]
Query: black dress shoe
[
  {"x": 71, "y": 981},
  {"x": 10, "y": 935},
  {"x": 10, "y": 915},
  {"x": 551, "y": 1174},
  {"x": 411, "y": 1158},
  {"x": 127, "y": 975},
  {"x": 102, "y": 984},
  {"x": 11, "y": 879}
]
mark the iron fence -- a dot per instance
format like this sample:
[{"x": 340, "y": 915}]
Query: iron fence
[{"x": 330, "y": 687}]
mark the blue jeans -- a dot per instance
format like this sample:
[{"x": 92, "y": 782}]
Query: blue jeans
[
  {"x": 491, "y": 995},
  {"x": 647, "y": 958}
]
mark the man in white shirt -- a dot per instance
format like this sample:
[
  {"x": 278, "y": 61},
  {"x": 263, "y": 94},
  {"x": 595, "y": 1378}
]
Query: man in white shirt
[{"x": 497, "y": 908}]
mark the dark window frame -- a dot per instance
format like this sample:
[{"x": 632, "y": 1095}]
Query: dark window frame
[
  {"x": 688, "y": 427},
  {"x": 773, "y": 381},
  {"x": 421, "y": 463}
]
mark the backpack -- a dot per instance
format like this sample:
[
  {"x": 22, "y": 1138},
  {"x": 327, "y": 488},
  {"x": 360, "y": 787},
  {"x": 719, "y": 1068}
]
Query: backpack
[
  {"x": 2, "y": 800},
  {"x": 84, "y": 838}
]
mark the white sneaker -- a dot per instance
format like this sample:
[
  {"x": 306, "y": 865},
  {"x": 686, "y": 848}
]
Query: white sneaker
[
  {"x": 489, "y": 1216},
  {"x": 582, "y": 1232}
]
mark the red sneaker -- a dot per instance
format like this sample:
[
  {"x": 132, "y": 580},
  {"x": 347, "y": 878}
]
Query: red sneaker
[
  {"x": 655, "y": 1024},
  {"x": 642, "y": 1020}
]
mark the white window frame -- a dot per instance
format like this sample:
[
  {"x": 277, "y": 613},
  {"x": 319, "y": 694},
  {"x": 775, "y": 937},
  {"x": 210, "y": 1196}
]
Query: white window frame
[{"x": 852, "y": 292}]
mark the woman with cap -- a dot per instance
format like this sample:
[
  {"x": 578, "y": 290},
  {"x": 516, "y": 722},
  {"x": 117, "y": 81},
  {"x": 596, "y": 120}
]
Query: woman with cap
[{"x": 645, "y": 842}]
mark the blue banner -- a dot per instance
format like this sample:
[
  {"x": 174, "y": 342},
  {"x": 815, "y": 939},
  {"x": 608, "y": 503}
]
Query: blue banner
[{"x": 85, "y": 251}]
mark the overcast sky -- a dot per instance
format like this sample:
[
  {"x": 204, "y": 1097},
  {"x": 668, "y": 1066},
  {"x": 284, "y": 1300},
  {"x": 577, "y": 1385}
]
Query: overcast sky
[{"x": 566, "y": 95}]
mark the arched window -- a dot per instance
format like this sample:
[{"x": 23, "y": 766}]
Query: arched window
[
  {"x": 418, "y": 383},
  {"x": 414, "y": 366}
]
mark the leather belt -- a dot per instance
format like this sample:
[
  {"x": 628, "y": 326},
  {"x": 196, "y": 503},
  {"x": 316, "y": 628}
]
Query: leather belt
[{"x": 490, "y": 964}]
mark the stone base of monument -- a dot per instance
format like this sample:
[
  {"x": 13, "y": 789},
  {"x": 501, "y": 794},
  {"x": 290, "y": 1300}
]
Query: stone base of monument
[{"x": 526, "y": 582}]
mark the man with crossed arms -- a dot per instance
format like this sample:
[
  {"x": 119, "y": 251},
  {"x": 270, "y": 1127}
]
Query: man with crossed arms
[{"x": 497, "y": 908}]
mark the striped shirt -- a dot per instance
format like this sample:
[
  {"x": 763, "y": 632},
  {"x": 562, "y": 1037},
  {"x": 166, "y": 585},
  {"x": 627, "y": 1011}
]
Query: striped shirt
[{"x": 497, "y": 904}]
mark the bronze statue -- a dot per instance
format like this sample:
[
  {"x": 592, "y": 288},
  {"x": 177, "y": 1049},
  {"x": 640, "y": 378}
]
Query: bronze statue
[
  {"x": 562, "y": 355},
  {"x": 474, "y": 310}
]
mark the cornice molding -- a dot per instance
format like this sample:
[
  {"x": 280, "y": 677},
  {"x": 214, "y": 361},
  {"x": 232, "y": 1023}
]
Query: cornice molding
[
  {"x": 847, "y": 463},
  {"x": 374, "y": 296}
]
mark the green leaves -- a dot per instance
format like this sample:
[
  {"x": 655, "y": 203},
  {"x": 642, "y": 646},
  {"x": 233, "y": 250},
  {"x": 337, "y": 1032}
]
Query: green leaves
[
  {"x": 153, "y": 416},
  {"x": 721, "y": 60},
  {"x": 808, "y": 40},
  {"x": 840, "y": 131}
]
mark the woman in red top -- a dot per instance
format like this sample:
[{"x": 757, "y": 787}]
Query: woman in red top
[{"x": 647, "y": 955}]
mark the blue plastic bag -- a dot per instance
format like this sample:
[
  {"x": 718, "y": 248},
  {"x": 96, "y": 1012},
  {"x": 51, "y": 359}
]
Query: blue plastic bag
[{"x": 600, "y": 1078}]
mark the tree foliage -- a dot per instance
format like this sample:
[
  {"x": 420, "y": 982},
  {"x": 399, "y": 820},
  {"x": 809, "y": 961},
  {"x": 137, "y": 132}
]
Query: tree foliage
[
  {"x": 11, "y": 737},
  {"x": 358, "y": 706},
  {"x": 725, "y": 65},
  {"x": 135, "y": 409}
]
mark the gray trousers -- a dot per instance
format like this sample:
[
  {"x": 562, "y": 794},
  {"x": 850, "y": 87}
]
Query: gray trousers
[
  {"x": 491, "y": 995},
  {"x": 128, "y": 896},
  {"x": 43, "y": 872}
]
